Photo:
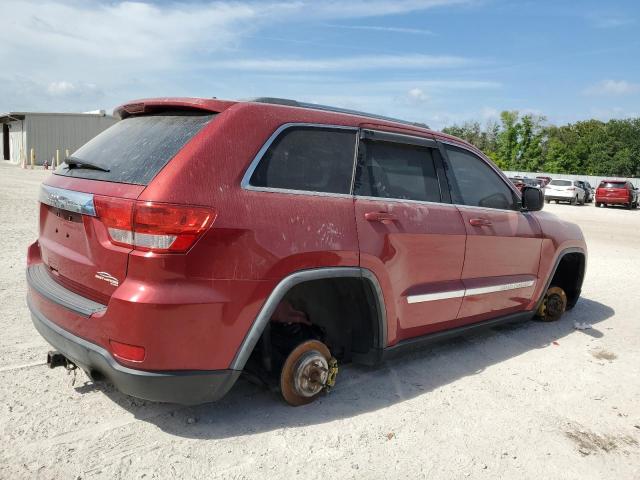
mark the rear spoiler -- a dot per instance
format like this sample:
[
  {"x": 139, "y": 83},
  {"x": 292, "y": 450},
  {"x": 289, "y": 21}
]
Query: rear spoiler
[{"x": 156, "y": 105}]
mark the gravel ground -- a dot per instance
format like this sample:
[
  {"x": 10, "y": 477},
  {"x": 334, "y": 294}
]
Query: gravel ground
[{"x": 526, "y": 401}]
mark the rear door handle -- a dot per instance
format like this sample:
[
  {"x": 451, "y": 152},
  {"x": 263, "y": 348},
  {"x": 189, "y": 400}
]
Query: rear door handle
[
  {"x": 384, "y": 217},
  {"x": 479, "y": 222}
]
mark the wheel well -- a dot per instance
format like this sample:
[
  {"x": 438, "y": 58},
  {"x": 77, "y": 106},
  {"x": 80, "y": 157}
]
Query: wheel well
[
  {"x": 343, "y": 313},
  {"x": 569, "y": 276},
  {"x": 342, "y": 307}
]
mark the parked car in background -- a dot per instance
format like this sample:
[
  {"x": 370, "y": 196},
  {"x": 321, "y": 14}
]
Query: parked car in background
[
  {"x": 592, "y": 190},
  {"x": 518, "y": 182},
  {"x": 521, "y": 182},
  {"x": 564, "y": 191},
  {"x": 534, "y": 182},
  {"x": 616, "y": 192},
  {"x": 588, "y": 191},
  {"x": 199, "y": 239},
  {"x": 545, "y": 180}
]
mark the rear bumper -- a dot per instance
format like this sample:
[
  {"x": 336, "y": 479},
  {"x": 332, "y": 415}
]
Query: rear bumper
[
  {"x": 561, "y": 198},
  {"x": 613, "y": 200},
  {"x": 188, "y": 387}
]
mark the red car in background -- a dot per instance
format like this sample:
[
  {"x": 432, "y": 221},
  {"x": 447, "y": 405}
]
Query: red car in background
[
  {"x": 199, "y": 239},
  {"x": 616, "y": 192}
]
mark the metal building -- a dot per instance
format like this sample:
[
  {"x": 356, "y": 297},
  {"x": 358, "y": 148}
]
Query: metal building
[{"x": 48, "y": 132}]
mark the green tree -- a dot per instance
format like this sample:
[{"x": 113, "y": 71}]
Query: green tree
[{"x": 527, "y": 143}]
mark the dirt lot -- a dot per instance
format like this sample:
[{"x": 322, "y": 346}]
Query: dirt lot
[{"x": 526, "y": 401}]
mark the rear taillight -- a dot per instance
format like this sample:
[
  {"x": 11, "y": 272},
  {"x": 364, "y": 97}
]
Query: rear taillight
[
  {"x": 572, "y": 189},
  {"x": 151, "y": 226}
]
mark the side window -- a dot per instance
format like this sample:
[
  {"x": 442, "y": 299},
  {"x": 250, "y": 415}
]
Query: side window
[
  {"x": 308, "y": 158},
  {"x": 474, "y": 183},
  {"x": 393, "y": 170}
]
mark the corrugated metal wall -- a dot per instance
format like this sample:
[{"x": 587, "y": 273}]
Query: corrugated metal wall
[
  {"x": 47, "y": 132},
  {"x": 594, "y": 181}
]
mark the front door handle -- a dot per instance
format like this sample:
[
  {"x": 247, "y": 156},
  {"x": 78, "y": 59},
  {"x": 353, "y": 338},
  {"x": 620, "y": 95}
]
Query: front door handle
[
  {"x": 480, "y": 222},
  {"x": 384, "y": 217}
]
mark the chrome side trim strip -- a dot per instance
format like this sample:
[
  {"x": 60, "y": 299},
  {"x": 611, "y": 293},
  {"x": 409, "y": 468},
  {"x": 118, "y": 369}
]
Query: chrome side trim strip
[
  {"x": 430, "y": 297},
  {"x": 487, "y": 209},
  {"x": 78, "y": 202},
  {"x": 468, "y": 292},
  {"x": 404, "y": 200},
  {"x": 498, "y": 288}
]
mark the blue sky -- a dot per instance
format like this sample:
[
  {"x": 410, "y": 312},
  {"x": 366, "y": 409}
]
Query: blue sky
[{"x": 434, "y": 61}]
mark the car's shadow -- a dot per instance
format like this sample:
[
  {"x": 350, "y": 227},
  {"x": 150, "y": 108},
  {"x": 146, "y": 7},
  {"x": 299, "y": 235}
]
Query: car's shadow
[{"x": 249, "y": 409}]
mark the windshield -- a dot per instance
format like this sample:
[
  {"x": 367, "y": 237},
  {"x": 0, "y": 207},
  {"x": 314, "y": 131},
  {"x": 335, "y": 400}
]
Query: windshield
[{"x": 135, "y": 149}]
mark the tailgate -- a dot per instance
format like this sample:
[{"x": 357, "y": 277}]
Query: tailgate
[
  {"x": 614, "y": 192},
  {"x": 74, "y": 244},
  {"x": 89, "y": 255}
]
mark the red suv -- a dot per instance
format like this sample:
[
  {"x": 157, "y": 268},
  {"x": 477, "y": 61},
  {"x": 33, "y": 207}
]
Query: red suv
[
  {"x": 616, "y": 192},
  {"x": 198, "y": 239}
]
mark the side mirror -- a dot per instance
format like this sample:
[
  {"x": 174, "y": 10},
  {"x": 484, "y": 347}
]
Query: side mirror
[{"x": 532, "y": 199}]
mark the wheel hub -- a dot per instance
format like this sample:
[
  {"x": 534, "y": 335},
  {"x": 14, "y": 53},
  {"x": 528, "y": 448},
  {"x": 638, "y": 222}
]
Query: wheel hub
[
  {"x": 310, "y": 374},
  {"x": 308, "y": 371},
  {"x": 555, "y": 305}
]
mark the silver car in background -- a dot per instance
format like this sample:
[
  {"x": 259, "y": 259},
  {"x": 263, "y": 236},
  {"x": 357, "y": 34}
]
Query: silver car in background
[{"x": 564, "y": 191}]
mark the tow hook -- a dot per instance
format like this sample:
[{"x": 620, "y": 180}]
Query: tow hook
[{"x": 56, "y": 359}]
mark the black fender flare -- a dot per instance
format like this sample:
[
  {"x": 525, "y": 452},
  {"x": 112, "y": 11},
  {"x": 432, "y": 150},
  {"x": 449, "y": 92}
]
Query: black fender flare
[
  {"x": 282, "y": 288},
  {"x": 559, "y": 258}
]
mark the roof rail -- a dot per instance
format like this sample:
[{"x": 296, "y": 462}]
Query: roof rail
[{"x": 327, "y": 108}]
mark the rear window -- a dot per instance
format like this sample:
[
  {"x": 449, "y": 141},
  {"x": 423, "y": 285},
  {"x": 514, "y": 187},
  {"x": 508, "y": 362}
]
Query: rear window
[
  {"x": 613, "y": 185},
  {"x": 135, "y": 149},
  {"x": 561, "y": 183}
]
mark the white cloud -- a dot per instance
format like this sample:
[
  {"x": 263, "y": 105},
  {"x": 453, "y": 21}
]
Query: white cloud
[
  {"x": 445, "y": 85},
  {"x": 129, "y": 31},
  {"x": 416, "y": 94},
  {"x": 363, "y": 62},
  {"x": 65, "y": 88},
  {"x": 373, "y": 8},
  {"x": 608, "y": 21},
  {"x": 72, "y": 54},
  {"x": 383, "y": 29},
  {"x": 489, "y": 113},
  {"x": 606, "y": 114},
  {"x": 613, "y": 87}
]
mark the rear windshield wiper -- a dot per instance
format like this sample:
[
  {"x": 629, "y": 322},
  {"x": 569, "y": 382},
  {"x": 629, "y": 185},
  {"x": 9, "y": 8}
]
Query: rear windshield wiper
[{"x": 74, "y": 162}]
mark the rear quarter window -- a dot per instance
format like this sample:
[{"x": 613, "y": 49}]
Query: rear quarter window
[
  {"x": 135, "y": 149},
  {"x": 312, "y": 159}
]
